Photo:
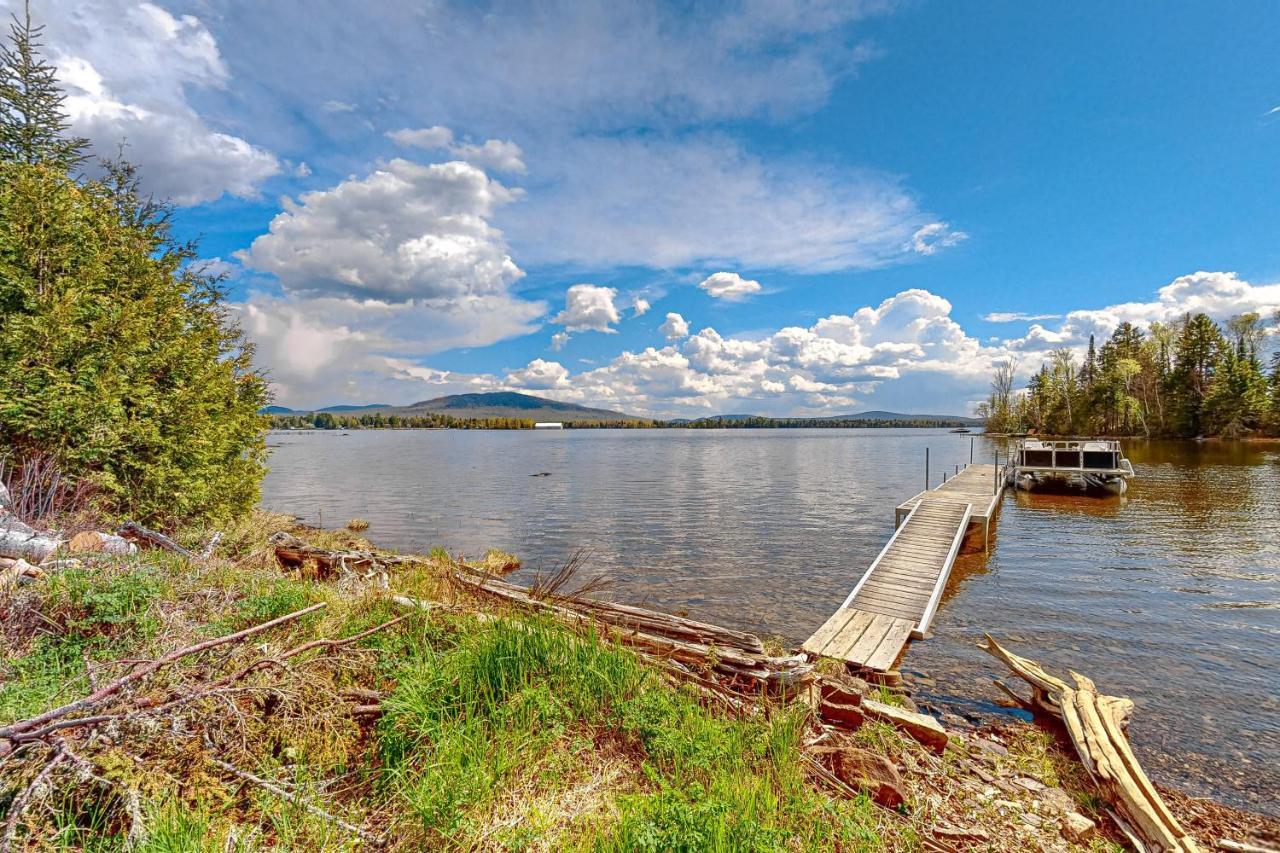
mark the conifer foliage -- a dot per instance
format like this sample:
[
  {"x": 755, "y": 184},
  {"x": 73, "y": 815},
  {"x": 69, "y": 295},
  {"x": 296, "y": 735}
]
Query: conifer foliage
[
  {"x": 1187, "y": 378},
  {"x": 117, "y": 354}
]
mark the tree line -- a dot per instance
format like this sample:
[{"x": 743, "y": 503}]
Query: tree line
[
  {"x": 375, "y": 420},
  {"x": 1188, "y": 378}
]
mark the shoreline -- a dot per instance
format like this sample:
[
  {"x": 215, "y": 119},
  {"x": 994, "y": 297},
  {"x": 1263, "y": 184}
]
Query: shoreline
[{"x": 858, "y": 764}]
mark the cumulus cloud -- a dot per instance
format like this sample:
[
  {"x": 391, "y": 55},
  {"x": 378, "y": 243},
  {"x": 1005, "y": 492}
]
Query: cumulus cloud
[
  {"x": 1017, "y": 316},
  {"x": 379, "y": 270},
  {"x": 1221, "y": 295},
  {"x": 905, "y": 353},
  {"x": 588, "y": 308},
  {"x": 640, "y": 306},
  {"x": 129, "y": 70},
  {"x": 406, "y": 231},
  {"x": 931, "y": 238},
  {"x": 540, "y": 375},
  {"x": 729, "y": 286},
  {"x": 675, "y": 328},
  {"x": 558, "y": 340},
  {"x": 498, "y": 154}
]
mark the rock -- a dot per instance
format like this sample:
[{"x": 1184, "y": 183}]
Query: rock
[
  {"x": 1057, "y": 800},
  {"x": 1078, "y": 828},
  {"x": 866, "y": 771},
  {"x": 987, "y": 746},
  {"x": 1030, "y": 784},
  {"x": 1032, "y": 820},
  {"x": 5, "y": 499}
]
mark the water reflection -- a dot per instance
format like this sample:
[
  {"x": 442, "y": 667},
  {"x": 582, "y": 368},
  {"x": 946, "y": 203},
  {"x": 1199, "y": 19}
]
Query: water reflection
[{"x": 1168, "y": 595}]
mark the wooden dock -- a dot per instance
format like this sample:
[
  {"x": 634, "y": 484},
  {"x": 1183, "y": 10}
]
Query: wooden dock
[
  {"x": 897, "y": 597},
  {"x": 982, "y": 486}
]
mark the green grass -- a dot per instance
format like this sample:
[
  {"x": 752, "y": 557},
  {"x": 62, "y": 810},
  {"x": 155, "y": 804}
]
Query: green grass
[{"x": 522, "y": 705}]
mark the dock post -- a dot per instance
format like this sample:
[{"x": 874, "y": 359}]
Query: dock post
[
  {"x": 970, "y": 450},
  {"x": 926, "y": 469},
  {"x": 995, "y": 472}
]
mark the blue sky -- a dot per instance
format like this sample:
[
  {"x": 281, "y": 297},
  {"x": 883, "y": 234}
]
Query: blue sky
[{"x": 846, "y": 205}]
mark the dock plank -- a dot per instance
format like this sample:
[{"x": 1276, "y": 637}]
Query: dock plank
[{"x": 896, "y": 598}]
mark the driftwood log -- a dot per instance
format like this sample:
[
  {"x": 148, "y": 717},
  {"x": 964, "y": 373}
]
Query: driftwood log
[
  {"x": 1095, "y": 723},
  {"x": 729, "y": 653},
  {"x": 19, "y": 541},
  {"x": 292, "y": 551},
  {"x": 135, "y": 532}
]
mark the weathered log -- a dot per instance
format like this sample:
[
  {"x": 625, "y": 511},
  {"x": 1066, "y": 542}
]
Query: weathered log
[
  {"x": 21, "y": 541},
  {"x": 135, "y": 532},
  {"x": 724, "y": 658},
  {"x": 292, "y": 551},
  {"x": 625, "y": 615},
  {"x": 1095, "y": 724},
  {"x": 919, "y": 727}
]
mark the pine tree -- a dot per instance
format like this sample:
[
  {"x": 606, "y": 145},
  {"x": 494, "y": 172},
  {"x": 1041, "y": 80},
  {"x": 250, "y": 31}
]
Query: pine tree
[{"x": 33, "y": 125}]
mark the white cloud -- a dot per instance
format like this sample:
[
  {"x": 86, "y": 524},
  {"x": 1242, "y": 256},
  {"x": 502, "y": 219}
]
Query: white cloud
[
  {"x": 905, "y": 354},
  {"x": 558, "y": 341},
  {"x": 540, "y": 375},
  {"x": 407, "y": 231},
  {"x": 929, "y": 239},
  {"x": 729, "y": 286},
  {"x": 640, "y": 306},
  {"x": 703, "y": 200},
  {"x": 332, "y": 106},
  {"x": 129, "y": 70},
  {"x": 1219, "y": 294},
  {"x": 675, "y": 328},
  {"x": 379, "y": 270},
  {"x": 1017, "y": 316},
  {"x": 498, "y": 154},
  {"x": 588, "y": 308}
]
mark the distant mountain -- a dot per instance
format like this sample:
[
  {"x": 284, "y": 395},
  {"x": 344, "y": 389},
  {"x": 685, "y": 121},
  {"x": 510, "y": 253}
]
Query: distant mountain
[
  {"x": 347, "y": 408},
  {"x": 276, "y": 410},
  {"x": 508, "y": 404}
]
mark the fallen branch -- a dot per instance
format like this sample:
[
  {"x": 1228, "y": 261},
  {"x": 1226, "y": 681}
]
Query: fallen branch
[
  {"x": 211, "y": 545},
  {"x": 19, "y": 804},
  {"x": 1095, "y": 722},
  {"x": 20, "y": 541},
  {"x": 135, "y": 532},
  {"x": 272, "y": 788},
  {"x": 19, "y": 730}
]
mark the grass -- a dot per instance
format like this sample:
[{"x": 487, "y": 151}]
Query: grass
[{"x": 526, "y": 705}]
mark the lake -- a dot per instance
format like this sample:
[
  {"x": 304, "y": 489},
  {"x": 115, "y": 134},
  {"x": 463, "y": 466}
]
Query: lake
[{"x": 1169, "y": 595}]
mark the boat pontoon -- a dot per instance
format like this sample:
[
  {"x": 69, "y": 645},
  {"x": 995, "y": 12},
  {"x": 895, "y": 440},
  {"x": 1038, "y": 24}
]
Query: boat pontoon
[{"x": 1092, "y": 464}]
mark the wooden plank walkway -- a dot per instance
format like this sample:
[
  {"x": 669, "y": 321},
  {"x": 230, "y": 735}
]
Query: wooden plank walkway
[
  {"x": 979, "y": 485},
  {"x": 898, "y": 595}
]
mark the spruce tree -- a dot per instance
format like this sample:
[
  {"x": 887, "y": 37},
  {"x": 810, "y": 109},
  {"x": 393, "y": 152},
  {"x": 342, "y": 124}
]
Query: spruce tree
[
  {"x": 118, "y": 358},
  {"x": 33, "y": 125}
]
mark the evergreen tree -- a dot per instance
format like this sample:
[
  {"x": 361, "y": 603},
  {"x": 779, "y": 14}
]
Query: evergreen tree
[
  {"x": 32, "y": 123},
  {"x": 118, "y": 357},
  {"x": 1197, "y": 354}
]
